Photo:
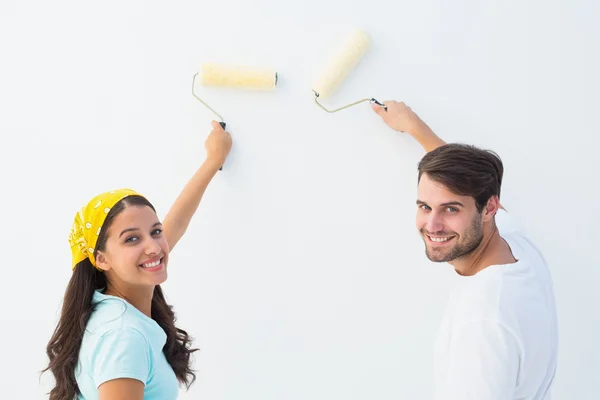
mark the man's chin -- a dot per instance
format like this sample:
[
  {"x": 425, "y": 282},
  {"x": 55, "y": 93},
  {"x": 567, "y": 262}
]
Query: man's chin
[
  {"x": 437, "y": 256},
  {"x": 437, "y": 259}
]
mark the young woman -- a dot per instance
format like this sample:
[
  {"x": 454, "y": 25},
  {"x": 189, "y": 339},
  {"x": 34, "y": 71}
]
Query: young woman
[{"x": 116, "y": 338}]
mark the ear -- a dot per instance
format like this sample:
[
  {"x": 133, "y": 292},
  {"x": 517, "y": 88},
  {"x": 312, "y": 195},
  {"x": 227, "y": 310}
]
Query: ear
[
  {"x": 102, "y": 261},
  {"x": 491, "y": 208}
]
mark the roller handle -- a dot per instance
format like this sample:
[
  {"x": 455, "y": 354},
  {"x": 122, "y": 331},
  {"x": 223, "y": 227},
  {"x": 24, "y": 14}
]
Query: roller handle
[
  {"x": 223, "y": 125},
  {"x": 379, "y": 104}
]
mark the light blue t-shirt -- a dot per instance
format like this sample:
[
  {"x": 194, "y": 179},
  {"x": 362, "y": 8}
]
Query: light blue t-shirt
[{"x": 122, "y": 342}]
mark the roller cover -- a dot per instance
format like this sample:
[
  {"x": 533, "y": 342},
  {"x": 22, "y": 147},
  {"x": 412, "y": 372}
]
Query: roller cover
[
  {"x": 238, "y": 77},
  {"x": 339, "y": 67}
]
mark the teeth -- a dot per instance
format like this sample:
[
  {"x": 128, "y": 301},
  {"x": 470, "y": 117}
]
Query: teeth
[
  {"x": 150, "y": 265},
  {"x": 439, "y": 240}
]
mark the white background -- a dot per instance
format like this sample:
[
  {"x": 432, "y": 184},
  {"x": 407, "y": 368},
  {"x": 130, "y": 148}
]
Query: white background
[{"x": 302, "y": 275}]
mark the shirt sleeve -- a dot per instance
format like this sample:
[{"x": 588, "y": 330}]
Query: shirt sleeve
[
  {"x": 121, "y": 353},
  {"x": 483, "y": 363}
]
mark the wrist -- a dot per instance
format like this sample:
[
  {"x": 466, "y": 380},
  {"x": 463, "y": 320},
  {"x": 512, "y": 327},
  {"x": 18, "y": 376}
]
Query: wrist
[
  {"x": 213, "y": 163},
  {"x": 420, "y": 131}
]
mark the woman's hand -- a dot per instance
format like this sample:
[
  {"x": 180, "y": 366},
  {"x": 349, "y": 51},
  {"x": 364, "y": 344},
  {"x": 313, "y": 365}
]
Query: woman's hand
[{"x": 218, "y": 145}]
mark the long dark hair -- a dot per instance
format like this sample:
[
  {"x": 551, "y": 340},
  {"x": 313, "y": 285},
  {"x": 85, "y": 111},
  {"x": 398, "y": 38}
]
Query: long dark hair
[{"x": 63, "y": 348}]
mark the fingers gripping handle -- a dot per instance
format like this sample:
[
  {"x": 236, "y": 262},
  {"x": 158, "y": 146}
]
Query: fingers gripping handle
[
  {"x": 223, "y": 125},
  {"x": 379, "y": 104}
]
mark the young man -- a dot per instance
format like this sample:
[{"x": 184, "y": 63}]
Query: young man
[{"x": 498, "y": 339}]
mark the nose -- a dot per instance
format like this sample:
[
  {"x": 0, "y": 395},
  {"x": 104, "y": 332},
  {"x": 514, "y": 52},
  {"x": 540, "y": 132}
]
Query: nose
[
  {"x": 152, "y": 247},
  {"x": 434, "y": 223}
]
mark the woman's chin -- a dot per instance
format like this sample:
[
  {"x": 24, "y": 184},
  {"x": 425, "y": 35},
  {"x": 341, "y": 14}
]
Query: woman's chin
[{"x": 155, "y": 276}]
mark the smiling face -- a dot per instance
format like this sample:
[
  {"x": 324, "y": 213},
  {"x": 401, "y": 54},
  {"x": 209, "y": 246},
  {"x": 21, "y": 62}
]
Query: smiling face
[
  {"x": 136, "y": 252},
  {"x": 450, "y": 225}
]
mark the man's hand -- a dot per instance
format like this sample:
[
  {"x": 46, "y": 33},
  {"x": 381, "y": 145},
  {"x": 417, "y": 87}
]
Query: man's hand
[
  {"x": 401, "y": 118},
  {"x": 398, "y": 116}
]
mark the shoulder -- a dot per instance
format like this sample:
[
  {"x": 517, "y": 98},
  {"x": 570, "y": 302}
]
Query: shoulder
[
  {"x": 508, "y": 223},
  {"x": 120, "y": 353},
  {"x": 531, "y": 265},
  {"x": 119, "y": 341},
  {"x": 478, "y": 297},
  {"x": 114, "y": 314},
  {"x": 512, "y": 231},
  {"x": 500, "y": 292},
  {"x": 107, "y": 314},
  {"x": 113, "y": 325},
  {"x": 125, "y": 337},
  {"x": 511, "y": 300},
  {"x": 484, "y": 330}
]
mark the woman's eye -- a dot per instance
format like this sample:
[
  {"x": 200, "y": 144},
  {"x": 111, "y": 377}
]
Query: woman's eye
[
  {"x": 131, "y": 239},
  {"x": 157, "y": 231}
]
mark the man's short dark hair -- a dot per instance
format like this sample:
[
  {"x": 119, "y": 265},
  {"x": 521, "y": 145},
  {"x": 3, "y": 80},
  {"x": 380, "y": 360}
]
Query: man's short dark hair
[{"x": 465, "y": 170}]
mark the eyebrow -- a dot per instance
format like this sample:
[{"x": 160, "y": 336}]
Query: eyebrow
[
  {"x": 450, "y": 203},
  {"x": 136, "y": 229}
]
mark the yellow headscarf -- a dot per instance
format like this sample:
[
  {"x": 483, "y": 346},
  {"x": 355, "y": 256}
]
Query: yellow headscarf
[{"x": 88, "y": 223}]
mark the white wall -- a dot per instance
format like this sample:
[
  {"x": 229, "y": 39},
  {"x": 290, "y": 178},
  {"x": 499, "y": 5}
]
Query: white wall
[{"x": 302, "y": 275}]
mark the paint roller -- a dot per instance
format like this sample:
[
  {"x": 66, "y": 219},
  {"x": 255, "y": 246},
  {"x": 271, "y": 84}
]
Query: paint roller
[
  {"x": 238, "y": 77},
  {"x": 339, "y": 67}
]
